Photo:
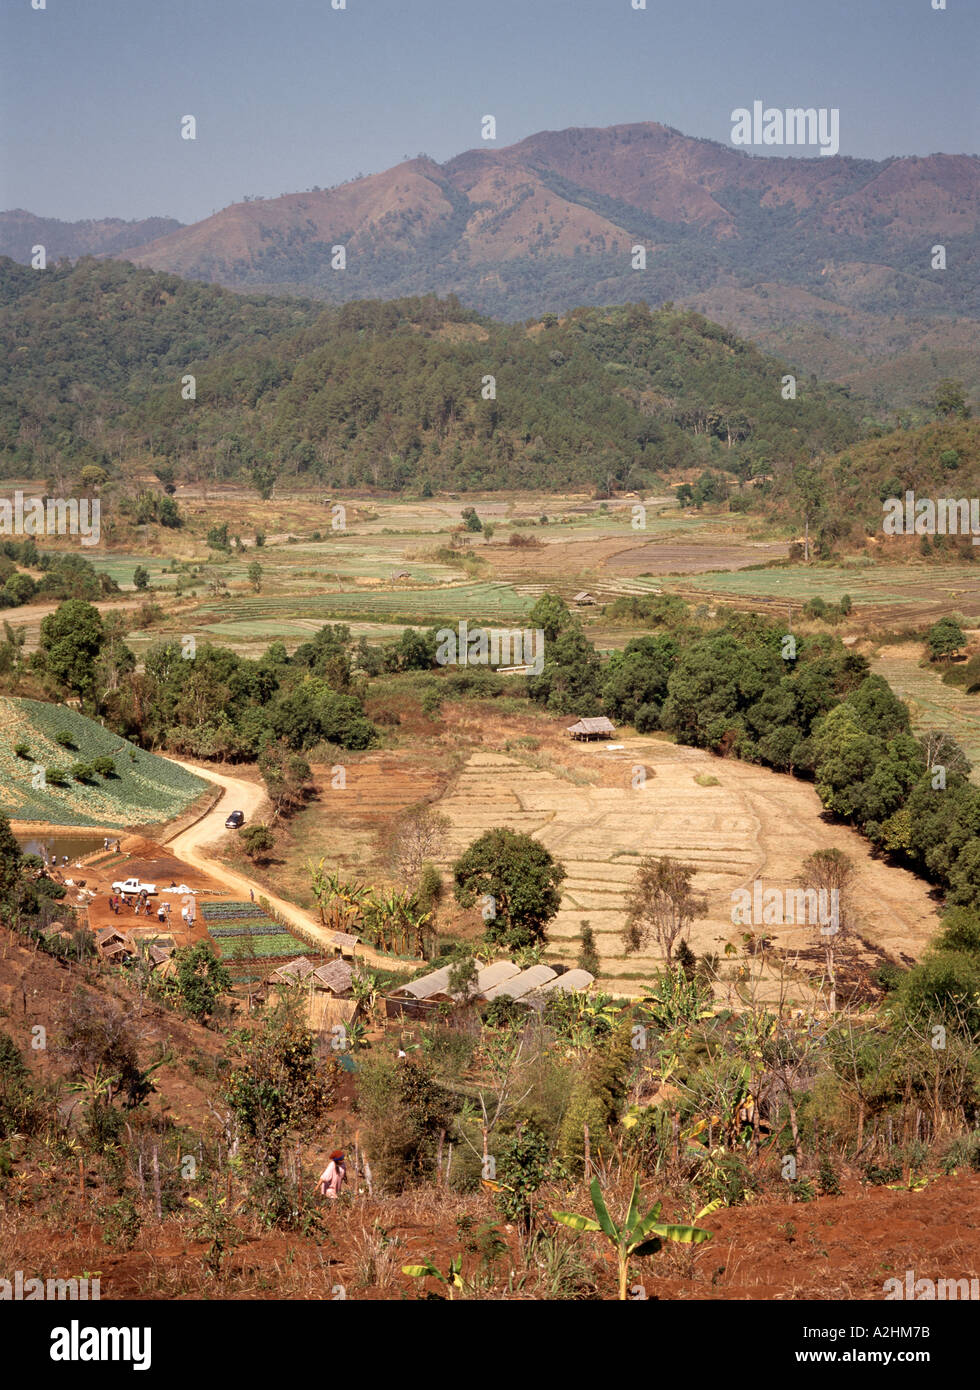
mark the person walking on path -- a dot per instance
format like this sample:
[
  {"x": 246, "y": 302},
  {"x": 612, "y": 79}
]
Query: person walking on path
[{"x": 332, "y": 1178}]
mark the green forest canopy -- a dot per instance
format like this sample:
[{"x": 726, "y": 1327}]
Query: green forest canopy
[{"x": 383, "y": 393}]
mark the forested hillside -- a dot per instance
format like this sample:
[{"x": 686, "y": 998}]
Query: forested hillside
[
  {"x": 828, "y": 260},
  {"x": 386, "y": 394},
  {"x": 844, "y": 493}
]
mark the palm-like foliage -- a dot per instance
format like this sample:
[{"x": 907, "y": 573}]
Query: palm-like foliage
[
  {"x": 340, "y": 901},
  {"x": 638, "y": 1234},
  {"x": 452, "y": 1279}
]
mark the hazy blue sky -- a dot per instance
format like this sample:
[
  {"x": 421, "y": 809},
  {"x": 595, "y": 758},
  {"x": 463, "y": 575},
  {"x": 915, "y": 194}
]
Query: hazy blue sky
[{"x": 291, "y": 93}]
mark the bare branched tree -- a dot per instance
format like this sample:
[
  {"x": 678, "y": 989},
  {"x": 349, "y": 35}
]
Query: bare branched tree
[
  {"x": 414, "y": 838},
  {"x": 831, "y": 873},
  {"x": 661, "y": 903}
]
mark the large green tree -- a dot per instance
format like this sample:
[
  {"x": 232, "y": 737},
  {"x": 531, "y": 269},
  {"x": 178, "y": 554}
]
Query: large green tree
[
  {"x": 71, "y": 640},
  {"x": 570, "y": 680},
  {"x": 517, "y": 883}
]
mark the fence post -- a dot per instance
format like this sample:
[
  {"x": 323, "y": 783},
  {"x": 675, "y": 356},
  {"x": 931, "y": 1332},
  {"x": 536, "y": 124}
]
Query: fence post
[{"x": 156, "y": 1184}]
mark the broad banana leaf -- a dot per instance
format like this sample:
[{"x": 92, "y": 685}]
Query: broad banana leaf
[
  {"x": 576, "y": 1222},
  {"x": 631, "y": 1215},
  {"x": 684, "y": 1235},
  {"x": 606, "y": 1223}
]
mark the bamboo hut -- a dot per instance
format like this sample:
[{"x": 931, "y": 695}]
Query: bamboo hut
[
  {"x": 335, "y": 978},
  {"x": 292, "y": 973},
  {"x": 588, "y": 729}
]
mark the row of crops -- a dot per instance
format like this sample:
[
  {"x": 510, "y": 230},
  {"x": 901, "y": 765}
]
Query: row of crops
[
  {"x": 244, "y": 932},
  {"x": 866, "y": 582},
  {"x": 277, "y": 944},
  {"x": 488, "y": 601},
  {"x": 220, "y": 912},
  {"x": 239, "y": 929}
]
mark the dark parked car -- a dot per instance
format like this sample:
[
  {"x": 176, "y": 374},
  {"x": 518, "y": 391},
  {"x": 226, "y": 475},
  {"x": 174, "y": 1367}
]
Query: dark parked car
[{"x": 235, "y": 820}]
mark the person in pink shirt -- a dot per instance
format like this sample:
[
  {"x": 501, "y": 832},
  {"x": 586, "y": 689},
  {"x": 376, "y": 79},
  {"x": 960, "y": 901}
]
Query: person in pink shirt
[{"x": 332, "y": 1177}]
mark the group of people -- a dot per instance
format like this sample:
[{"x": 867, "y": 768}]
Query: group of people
[
  {"x": 107, "y": 844},
  {"x": 140, "y": 904}
]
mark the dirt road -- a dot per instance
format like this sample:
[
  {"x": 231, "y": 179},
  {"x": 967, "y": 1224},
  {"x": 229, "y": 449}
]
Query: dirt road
[
  {"x": 190, "y": 845},
  {"x": 31, "y": 615}
]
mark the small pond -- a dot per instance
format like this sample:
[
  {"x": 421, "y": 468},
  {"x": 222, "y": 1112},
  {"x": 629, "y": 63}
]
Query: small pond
[{"x": 58, "y": 843}]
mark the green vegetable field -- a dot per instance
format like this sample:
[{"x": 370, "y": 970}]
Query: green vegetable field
[{"x": 144, "y": 789}]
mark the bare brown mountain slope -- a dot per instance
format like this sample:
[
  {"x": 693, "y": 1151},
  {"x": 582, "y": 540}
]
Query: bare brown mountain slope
[
  {"x": 777, "y": 246},
  {"x": 648, "y": 167}
]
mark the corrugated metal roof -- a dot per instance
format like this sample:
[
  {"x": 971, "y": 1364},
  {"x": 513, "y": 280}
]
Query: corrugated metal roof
[
  {"x": 523, "y": 983},
  {"x": 569, "y": 983}
]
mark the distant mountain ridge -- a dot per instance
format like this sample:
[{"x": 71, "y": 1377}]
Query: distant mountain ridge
[
  {"x": 21, "y": 231},
  {"x": 826, "y": 260}
]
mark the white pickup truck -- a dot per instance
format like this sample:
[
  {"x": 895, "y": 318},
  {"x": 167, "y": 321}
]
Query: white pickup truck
[{"x": 133, "y": 885}]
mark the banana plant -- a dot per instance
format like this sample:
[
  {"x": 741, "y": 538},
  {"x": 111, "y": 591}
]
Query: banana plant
[
  {"x": 100, "y": 1085},
  {"x": 638, "y": 1234},
  {"x": 364, "y": 989},
  {"x": 453, "y": 1279},
  {"x": 339, "y": 901},
  {"x": 417, "y": 922}
]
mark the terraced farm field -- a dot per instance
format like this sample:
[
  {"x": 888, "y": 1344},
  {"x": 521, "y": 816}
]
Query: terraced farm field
[
  {"x": 120, "y": 566},
  {"x": 932, "y": 704},
  {"x": 906, "y": 593},
  {"x": 249, "y": 942},
  {"x": 751, "y": 825},
  {"x": 145, "y": 790},
  {"x": 491, "y": 602}
]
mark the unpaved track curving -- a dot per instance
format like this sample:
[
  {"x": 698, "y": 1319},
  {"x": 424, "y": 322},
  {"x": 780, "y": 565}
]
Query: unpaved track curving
[{"x": 190, "y": 845}]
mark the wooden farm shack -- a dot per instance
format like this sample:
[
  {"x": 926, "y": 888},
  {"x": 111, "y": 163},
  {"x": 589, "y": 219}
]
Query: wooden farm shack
[
  {"x": 344, "y": 943},
  {"x": 335, "y": 978},
  {"x": 292, "y": 973},
  {"x": 588, "y": 729},
  {"x": 111, "y": 944},
  {"x": 584, "y": 598},
  {"x": 524, "y": 982}
]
